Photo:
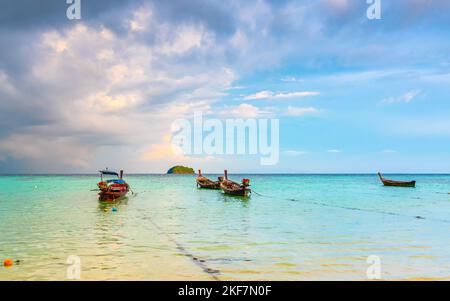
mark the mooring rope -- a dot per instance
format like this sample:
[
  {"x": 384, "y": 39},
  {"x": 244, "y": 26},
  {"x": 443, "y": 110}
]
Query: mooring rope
[
  {"x": 213, "y": 273},
  {"x": 353, "y": 208},
  {"x": 199, "y": 262}
]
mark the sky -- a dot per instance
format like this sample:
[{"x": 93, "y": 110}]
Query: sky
[{"x": 352, "y": 95}]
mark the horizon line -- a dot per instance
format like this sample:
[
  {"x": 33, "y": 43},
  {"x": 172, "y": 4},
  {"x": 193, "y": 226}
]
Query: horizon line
[{"x": 236, "y": 173}]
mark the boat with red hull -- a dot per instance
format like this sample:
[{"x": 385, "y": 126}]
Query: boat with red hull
[
  {"x": 113, "y": 189},
  {"x": 387, "y": 182},
  {"x": 234, "y": 188}
]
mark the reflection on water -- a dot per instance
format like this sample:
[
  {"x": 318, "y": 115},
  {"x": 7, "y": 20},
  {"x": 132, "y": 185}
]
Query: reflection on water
[
  {"x": 293, "y": 227},
  {"x": 112, "y": 205},
  {"x": 235, "y": 198}
]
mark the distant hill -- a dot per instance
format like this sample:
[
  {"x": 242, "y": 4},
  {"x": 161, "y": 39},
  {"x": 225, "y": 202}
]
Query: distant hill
[{"x": 181, "y": 170}]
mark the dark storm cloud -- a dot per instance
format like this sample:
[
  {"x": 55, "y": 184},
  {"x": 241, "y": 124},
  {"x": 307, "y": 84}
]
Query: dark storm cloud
[
  {"x": 32, "y": 14},
  {"x": 215, "y": 14},
  {"x": 35, "y": 14}
]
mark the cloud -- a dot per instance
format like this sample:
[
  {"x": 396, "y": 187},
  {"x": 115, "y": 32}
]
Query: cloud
[
  {"x": 46, "y": 149},
  {"x": 185, "y": 39},
  {"x": 110, "y": 84},
  {"x": 271, "y": 95},
  {"x": 259, "y": 95},
  {"x": 141, "y": 20},
  {"x": 296, "y": 94},
  {"x": 250, "y": 111},
  {"x": 291, "y": 79},
  {"x": 244, "y": 111},
  {"x": 334, "y": 151},
  {"x": 300, "y": 111},
  {"x": 91, "y": 90},
  {"x": 338, "y": 4},
  {"x": 170, "y": 152},
  {"x": 409, "y": 96},
  {"x": 405, "y": 98},
  {"x": 164, "y": 150},
  {"x": 294, "y": 153},
  {"x": 5, "y": 85}
]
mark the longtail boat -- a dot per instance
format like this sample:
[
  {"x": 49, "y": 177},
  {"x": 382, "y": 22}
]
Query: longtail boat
[
  {"x": 234, "y": 188},
  {"x": 387, "y": 182},
  {"x": 112, "y": 189},
  {"x": 203, "y": 182}
]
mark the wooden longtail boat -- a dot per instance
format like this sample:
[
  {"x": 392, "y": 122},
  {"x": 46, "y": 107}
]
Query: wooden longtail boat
[
  {"x": 387, "y": 182},
  {"x": 203, "y": 182},
  {"x": 233, "y": 188},
  {"x": 113, "y": 189}
]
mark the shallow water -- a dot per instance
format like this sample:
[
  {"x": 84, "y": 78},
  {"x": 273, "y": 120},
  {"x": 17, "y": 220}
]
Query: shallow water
[{"x": 295, "y": 227}]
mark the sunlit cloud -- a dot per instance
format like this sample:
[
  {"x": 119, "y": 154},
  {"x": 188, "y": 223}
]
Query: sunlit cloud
[
  {"x": 114, "y": 81},
  {"x": 168, "y": 152},
  {"x": 266, "y": 94},
  {"x": 244, "y": 110}
]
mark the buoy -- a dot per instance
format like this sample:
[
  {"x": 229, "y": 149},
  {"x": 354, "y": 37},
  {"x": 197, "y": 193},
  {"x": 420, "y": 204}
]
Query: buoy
[{"x": 8, "y": 263}]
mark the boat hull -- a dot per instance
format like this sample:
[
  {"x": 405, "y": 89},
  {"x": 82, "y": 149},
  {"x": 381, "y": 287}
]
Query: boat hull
[
  {"x": 110, "y": 196},
  {"x": 233, "y": 188},
  {"x": 399, "y": 184},
  {"x": 205, "y": 183},
  {"x": 392, "y": 183},
  {"x": 214, "y": 186},
  {"x": 245, "y": 192}
]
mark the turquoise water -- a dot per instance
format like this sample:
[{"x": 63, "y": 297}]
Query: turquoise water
[{"x": 298, "y": 227}]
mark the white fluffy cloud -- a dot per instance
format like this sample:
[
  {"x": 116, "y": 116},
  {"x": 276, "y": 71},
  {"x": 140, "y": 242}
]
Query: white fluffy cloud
[{"x": 98, "y": 90}]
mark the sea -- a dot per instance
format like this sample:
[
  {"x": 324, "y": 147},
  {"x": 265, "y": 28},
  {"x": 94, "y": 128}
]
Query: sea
[{"x": 292, "y": 227}]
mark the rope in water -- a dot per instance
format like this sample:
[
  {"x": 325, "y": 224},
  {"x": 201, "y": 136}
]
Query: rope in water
[
  {"x": 353, "y": 208},
  {"x": 196, "y": 260},
  {"x": 199, "y": 262},
  {"x": 213, "y": 273}
]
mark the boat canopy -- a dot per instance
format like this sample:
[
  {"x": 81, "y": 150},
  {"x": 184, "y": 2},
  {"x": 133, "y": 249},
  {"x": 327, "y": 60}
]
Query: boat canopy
[
  {"x": 108, "y": 172},
  {"x": 116, "y": 181}
]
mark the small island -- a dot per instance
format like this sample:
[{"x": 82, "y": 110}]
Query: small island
[{"x": 181, "y": 170}]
